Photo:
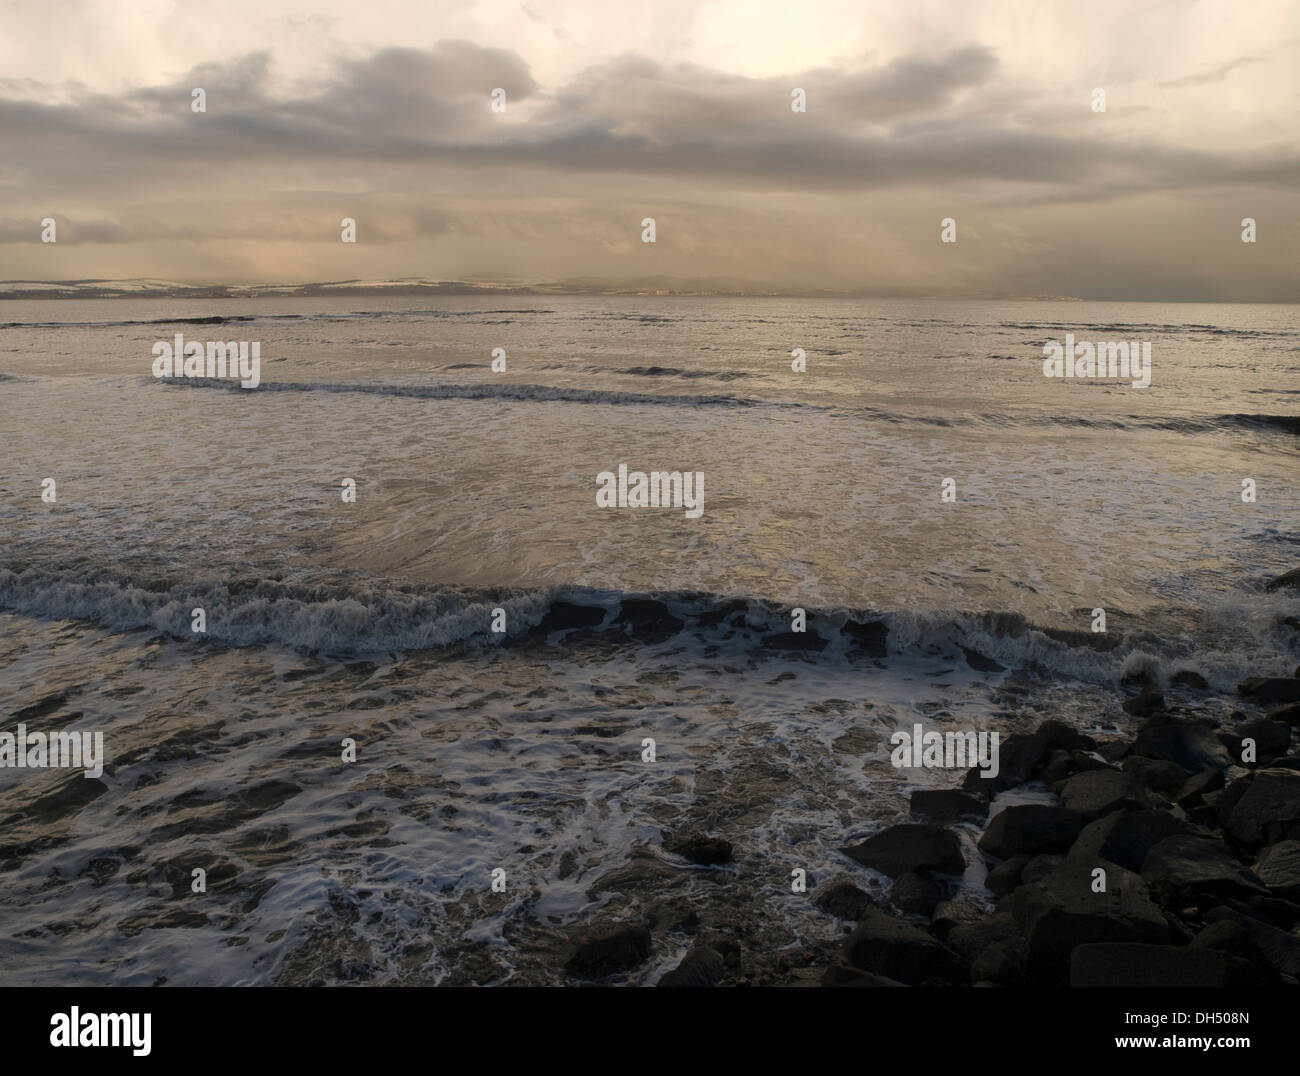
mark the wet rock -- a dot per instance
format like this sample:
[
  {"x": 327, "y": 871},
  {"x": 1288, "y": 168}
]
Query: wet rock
[
  {"x": 1000, "y": 964},
  {"x": 1123, "y": 838},
  {"x": 1289, "y": 580},
  {"x": 1280, "y": 949},
  {"x": 845, "y": 975},
  {"x": 898, "y": 950},
  {"x": 971, "y": 939},
  {"x": 1145, "y": 704},
  {"x": 1268, "y": 811},
  {"x": 1130, "y": 964},
  {"x": 1060, "y": 736},
  {"x": 565, "y": 615},
  {"x": 706, "y": 851},
  {"x": 1184, "y": 865},
  {"x": 1278, "y": 868},
  {"x": 947, "y": 805},
  {"x": 1019, "y": 756},
  {"x": 842, "y": 899},
  {"x": 910, "y": 847},
  {"x": 613, "y": 947},
  {"x": 951, "y": 914},
  {"x": 1157, "y": 774},
  {"x": 648, "y": 620},
  {"x": 1040, "y": 866},
  {"x": 1114, "y": 751},
  {"x": 1193, "y": 747},
  {"x": 1287, "y": 714},
  {"x": 1192, "y": 792},
  {"x": 1271, "y": 689},
  {"x": 1059, "y": 766},
  {"x": 702, "y": 966},
  {"x": 1099, "y": 792},
  {"x": 1030, "y": 828},
  {"x": 980, "y": 663},
  {"x": 869, "y": 639},
  {"x": 1272, "y": 738},
  {"x": 1003, "y": 878},
  {"x": 915, "y": 894},
  {"x": 1061, "y": 912},
  {"x": 1189, "y": 678}
]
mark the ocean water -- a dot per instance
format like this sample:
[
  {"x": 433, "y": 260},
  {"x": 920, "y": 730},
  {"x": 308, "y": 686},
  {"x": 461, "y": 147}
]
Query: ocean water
[{"x": 522, "y": 751}]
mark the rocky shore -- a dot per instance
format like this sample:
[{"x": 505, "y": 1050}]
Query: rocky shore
[{"x": 1166, "y": 854}]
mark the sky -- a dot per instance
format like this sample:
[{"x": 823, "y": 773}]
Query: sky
[{"x": 916, "y": 111}]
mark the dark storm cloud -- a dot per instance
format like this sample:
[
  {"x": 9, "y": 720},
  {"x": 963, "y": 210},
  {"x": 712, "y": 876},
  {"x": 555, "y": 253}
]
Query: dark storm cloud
[{"x": 913, "y": 122}]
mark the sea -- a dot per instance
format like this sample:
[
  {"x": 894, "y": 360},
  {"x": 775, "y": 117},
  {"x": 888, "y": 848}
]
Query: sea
[{"x": 443, "y": 709}]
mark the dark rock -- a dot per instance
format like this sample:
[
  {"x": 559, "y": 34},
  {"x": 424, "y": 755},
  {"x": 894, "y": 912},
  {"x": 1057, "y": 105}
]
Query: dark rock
[
  {"x": 1003, "y": 878},
  {"x": 1114, "y": 751},
  {"x": 648, "y": 620},
  {"x": 1289, "y": 579},
  {"x": 1130, "y": 964},
  {"x": 1123, "y": 839},
  {"x": 1144, "y": 704},
  {"x": 1271, "y": 689},
  {"x": 843, "y": 975},
  {"x": 702, "y": 966},
  {"x": 1278, "y": 868},
  {"x": 1061, "y": 736},
  {"x": 1189, "y": 678},
  {"x": 1269, "y": 811},
  {"x": 615, "y": 947},
  {"x": 947, "y": 805},
  {"x": 980, "y": 663},
  {"x": 1099, "y": 792},
  {"x": 971, "y": 939},
  {"x": 913, "y": 846},
  {"x": 1000, "y": 964},
  {"x": 1018, "y": 756},
  {"x": 842, "y": 899},
  {"x": 1059, "y": 766},
  {"x": 1157, "y": 774},
  {"x": 1185, "y": 864},
  {"x": 1084, "y": 761},
  {"x": 1194, "y": 789},
  {"x": 1061, "y": 912},
  {"x": 1272, "y": 738},
  {"x": 565, "y": 615},
  {"x": 868, "y": 639},
  {"x": 1040, "y": 866},
  {"x": 951, "y": 914},
  {"x": 898, "y": 950},
  {"x": 915, "y": 894},
  {"x": 1228, "y": 936},
  {"x": 1193, "y": 747},
  {"x": 1280, "y": 949},
  {"x": 1030, "y": 827},
  {"x": 705, "y": 851},
  {"x": 1289, "y": 714}
]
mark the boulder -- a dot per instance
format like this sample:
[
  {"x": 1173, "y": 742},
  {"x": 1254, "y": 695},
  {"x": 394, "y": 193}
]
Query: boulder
[
  {"x": 1061, "y": 912},
  {"x": 842, "y": 899},
  {"x": 1278, "y": 868},
  {"x": 896, "y": 949},
  {"x": 1018, "y": 759},
  {"x": 1193, "y": 747},
  {"x": 1192, "y": 792},
  {"x": 702, "y": 966},
  {"x": 1145, "y": 704},
  {"x": 912, "y": 846},
  {"x": 1123, "y": 838},
  {"x": 1289, "y": 714},
  {"x": 1268, "y": 811},
  {"x": 947, "y": 805},
  {"x": 1189, "y": 678},
  {"x": 1271, "y": 689},
  {"x": 971, "y": 939},
  {"x": 1280, "y": 949},
  {"x": 1030, "y": 828},
  {"x": 1184, "y": 865},
  {"x": 915, "y": 894},
  {"x": 1159, "y": 775},
  {"x": 1098, "y": 792},
  {"x": 614, "y": 947},
  {"x": 1289, "y": 580},
  {"x": 951, "y": 914}
]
